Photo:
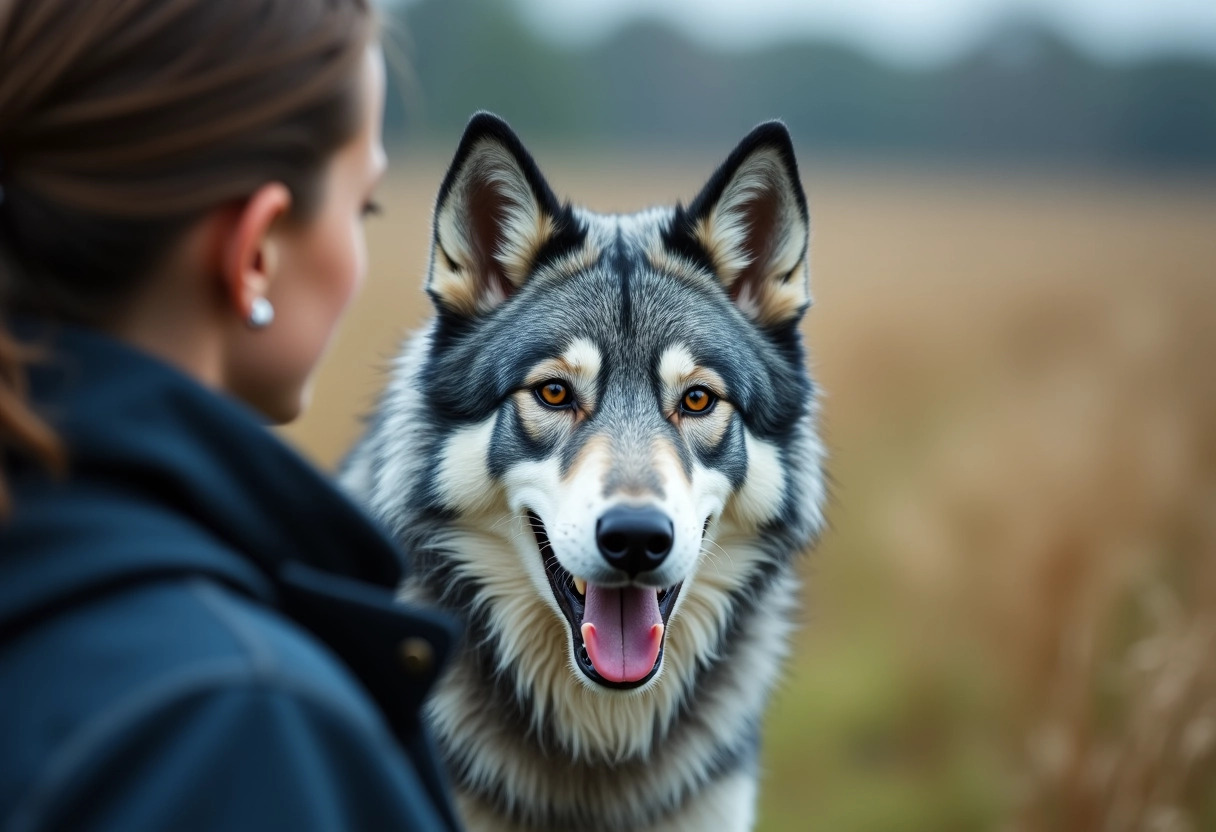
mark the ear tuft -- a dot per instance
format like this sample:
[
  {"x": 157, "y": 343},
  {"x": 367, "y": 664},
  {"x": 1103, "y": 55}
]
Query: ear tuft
[
  {"x": 750, "y": 226},
  {"x": 494, "y": 216}
]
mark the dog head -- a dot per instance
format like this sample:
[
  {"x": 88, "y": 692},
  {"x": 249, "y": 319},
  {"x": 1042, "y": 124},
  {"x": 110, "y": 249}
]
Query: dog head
[{"x": 621, "y": 398}]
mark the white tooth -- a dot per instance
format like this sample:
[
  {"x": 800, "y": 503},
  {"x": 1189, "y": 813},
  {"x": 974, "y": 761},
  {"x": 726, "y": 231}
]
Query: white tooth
[{"x": 581, "y": 586}]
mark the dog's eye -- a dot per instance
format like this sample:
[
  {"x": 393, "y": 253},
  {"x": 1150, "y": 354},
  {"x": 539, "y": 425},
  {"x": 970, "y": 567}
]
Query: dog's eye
[
  {"x": 554, "y": 394},
  {"x": 698, "y": 401}
]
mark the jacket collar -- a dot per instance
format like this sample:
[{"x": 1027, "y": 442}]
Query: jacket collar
[{"x": 197, "y": 474}]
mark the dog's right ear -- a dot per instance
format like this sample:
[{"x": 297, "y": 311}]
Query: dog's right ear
[{"x": 494, "y": 219}]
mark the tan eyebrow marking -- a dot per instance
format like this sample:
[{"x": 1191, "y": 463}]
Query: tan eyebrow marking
[
  {"x": 580, "y": 363},
  {"x": 678, "y": 371}
]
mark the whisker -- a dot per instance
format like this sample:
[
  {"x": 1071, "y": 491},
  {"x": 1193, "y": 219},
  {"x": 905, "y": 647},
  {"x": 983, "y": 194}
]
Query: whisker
[
  {"x": 707, "y": 541},
  {"x": 712, "y": 558},
  {"x": 508, "y": 519}
]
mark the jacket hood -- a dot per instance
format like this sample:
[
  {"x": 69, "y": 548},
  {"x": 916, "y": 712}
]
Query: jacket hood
[{"x": 163, "y": 476}]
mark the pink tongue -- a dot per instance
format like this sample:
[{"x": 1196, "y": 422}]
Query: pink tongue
[{"x": 623, "y": 631}]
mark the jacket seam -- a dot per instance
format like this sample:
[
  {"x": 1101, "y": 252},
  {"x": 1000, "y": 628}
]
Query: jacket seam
[
  {"x": 266, "y": 667},
  {"x": 255, "y": 647}
]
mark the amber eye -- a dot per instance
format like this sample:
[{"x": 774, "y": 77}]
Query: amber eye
[
  {"x": 698, "y": 400},
  {"x": 554, "y": 394}
]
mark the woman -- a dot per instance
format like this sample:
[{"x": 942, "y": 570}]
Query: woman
[{"x": 196, "y": 630}]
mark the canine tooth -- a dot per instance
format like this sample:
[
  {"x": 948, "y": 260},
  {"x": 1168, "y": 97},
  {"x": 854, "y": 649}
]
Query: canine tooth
[{"x": 580, "y": 586}]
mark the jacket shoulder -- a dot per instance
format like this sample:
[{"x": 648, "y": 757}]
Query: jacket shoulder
[{"x": 200, "y": 678}]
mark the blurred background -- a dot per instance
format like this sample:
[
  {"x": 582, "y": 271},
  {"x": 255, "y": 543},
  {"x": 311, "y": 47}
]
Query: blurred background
[{"x": 1011, "y": 624}]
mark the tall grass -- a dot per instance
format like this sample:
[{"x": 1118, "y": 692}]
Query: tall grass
[{"x": 1018, "y": 602}]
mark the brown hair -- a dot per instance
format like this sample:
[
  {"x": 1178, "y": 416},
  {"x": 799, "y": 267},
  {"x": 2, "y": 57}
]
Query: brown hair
[{"x": 122, "y": 122}]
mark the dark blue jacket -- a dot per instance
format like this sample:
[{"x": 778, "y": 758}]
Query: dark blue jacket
[{"x": 197, "y": 631}]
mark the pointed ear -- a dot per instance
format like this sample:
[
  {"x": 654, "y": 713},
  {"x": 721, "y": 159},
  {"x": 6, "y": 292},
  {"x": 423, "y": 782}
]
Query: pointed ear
[
  {"x": 750, "y": 226},
  {"x": 494, "y": 219}
]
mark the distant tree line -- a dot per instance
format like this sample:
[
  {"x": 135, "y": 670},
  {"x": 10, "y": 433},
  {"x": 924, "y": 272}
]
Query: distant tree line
[{"x": 1023, "y": 94}]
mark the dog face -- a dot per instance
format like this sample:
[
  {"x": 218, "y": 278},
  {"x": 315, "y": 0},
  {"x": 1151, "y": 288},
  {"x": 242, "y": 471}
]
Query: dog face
[{"x": 618, "y": 395}]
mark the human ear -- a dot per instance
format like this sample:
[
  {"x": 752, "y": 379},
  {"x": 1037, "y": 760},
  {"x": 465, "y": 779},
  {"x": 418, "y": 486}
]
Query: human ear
[{"x": 250, "y": 259}]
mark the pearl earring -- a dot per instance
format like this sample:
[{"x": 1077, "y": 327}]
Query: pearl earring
[{"x": 261, "y": 314}]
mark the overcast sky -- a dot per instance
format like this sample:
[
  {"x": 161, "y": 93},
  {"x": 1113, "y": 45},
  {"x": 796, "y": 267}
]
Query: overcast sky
[{"x": 902, "y": 30}]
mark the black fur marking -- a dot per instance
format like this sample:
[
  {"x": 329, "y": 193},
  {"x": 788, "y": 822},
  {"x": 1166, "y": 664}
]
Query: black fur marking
[
  {"x": 678, "y": 238},
  {"x": 568, "y": 235},
  {"x": 730, "y": 454},
  {"x": 450, "y": 328},
  {"x": 623, "y": 265},
  {"x": 511, "y": 443}
]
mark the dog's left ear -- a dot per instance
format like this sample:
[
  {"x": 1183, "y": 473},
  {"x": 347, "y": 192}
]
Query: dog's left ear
[
  {"x": 750, "y": 225},
  {"x": 494, "y": 218}
]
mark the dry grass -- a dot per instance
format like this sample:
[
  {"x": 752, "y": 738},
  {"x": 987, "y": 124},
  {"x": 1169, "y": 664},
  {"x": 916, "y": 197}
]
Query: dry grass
[{"x": 1014, "y": 616}]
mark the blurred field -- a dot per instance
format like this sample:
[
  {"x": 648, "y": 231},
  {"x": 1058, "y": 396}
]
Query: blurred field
[{"x": 1012, "y": 622}]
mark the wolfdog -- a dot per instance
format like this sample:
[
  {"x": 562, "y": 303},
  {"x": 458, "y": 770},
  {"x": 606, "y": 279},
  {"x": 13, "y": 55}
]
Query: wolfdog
[{"x": 601, "y": 455}]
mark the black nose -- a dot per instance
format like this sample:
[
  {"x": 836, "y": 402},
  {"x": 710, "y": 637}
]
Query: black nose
[{"x": 634, "y": 540}]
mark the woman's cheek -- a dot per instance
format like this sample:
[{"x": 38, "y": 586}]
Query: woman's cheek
[{"x": 360, "y": 261}]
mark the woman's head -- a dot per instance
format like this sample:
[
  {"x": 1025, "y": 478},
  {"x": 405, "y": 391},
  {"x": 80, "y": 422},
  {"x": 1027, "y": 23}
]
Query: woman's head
[{"x": 178, "y": 159}]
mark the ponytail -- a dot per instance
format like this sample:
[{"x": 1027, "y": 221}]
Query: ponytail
[{"x": 21, "y": 430}]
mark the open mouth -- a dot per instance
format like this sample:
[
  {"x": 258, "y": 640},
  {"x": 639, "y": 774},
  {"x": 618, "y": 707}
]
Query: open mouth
[{"x": 618, "y": 632}]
